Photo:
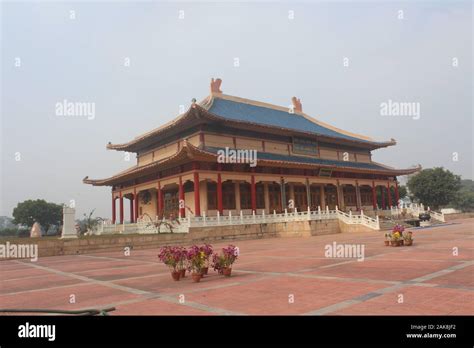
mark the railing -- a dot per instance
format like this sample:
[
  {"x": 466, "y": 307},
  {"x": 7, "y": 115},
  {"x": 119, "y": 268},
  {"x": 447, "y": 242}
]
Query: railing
[
  {"x": 144, "y": 226},
  {"x": 361, "y": 219},
  {"x": 182, "y": 225},
  {"x": 241, "y": 219},
  {"x": 416, "y": 209},
  {"x": 437, "y": 216}
]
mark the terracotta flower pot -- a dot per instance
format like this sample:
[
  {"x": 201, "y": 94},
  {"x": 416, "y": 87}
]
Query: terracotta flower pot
[
  {"x": 387, "y": 243},
  {"x": 227, "y": 271},
  {"x": 196, "y": 277},
  {"x": 409, "y": 242},
  {"x": 182, "y": 273},
  {"x": 394, "y": 243},
  {"x": 175, "y": 275}
]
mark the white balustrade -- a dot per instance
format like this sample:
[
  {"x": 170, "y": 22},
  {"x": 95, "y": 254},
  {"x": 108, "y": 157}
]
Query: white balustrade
[{"x": 181, "y": 225}]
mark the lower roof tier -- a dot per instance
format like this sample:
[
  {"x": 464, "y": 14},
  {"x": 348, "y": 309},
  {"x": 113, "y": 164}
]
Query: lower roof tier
[{"x": 190, "y": 153}]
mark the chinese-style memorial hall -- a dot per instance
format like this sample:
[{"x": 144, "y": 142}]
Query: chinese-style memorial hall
[{"x": 301, "y": 163}]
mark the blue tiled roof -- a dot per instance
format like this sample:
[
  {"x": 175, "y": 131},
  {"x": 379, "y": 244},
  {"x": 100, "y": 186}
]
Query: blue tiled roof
[
  {"x": 271, "y": 117},
  {"x": 307, "y": 160}
]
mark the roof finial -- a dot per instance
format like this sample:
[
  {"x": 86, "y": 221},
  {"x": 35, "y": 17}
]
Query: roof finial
[
  {"x": 297, "y": 104},
  {"x": 216, "y": 86}
]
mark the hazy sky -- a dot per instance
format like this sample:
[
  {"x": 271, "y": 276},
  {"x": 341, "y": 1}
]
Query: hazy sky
[{"x": 172, "y": 60}]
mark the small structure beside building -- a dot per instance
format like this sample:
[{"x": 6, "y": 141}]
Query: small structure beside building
[
  {"x": 35, "y": 230},
  {"x": 69, "y": 223}
]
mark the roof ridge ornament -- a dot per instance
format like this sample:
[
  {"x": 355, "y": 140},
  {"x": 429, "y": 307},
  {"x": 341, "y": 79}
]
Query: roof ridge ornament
[
  {"x": 216, "y": 85},
  {"x": 297, "y": 106}
]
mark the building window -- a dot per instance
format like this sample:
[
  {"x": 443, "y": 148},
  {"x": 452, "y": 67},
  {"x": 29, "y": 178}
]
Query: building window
[
  {"x": 228, "y": 195},
  {"x": 211, "y": 196},
  {"x": 188, "y": 186},
  {"x": 245, "y": 196},
  {"x": 330, "y": 193},
  {"x": 315, "y": 197},
  {"x": 300, "y": 197},
  {"x": 274, "y": 195},
  {"x": 260, "y": 196},
  {"x": 366, "y": 195},
  {"x": 349, "y": 195}
]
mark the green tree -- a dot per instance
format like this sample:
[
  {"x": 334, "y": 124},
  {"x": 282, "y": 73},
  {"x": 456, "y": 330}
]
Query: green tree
[
  {"x": 88, "y": 223},
  {"x": 45, "y": 213},
  {"x": 464, "y": 201},
  {"x": 434, "y": 187},
  {"x": 402, "y": 191}
]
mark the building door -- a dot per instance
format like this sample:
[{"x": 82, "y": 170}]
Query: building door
[
  {"x": 300, "y": 197},
  {"x": 171, "y": 203},
  {"x": 274, "y": 195},
  {"x": 315, "y": 197},
  {"x": 331, "y": 196}
]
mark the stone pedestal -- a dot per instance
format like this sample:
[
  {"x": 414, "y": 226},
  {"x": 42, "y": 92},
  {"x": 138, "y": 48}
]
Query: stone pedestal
[
  {"x": 35, "y": 231},
  {"x": 69, "y": 223}
]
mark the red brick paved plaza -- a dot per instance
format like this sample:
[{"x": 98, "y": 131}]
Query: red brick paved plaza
[{"x": 267, "y": 275}]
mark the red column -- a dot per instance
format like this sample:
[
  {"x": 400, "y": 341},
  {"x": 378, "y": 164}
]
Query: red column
[
  {"x": 374, "y": 196},
  {"x": 253, "y": 193},
  {"x": 181, "y": 197},
  {"x": 121, "y": 208},
  {"x": 219, "y": 194},
  {"x": 197, "y": 196},
  {"x": 135, "y": 198},
  {"x": 389, "y": 195},
  {"x": 397, "y": 195},
  {"x": 158, "y": 200},
  {"x": 162, "y": 203},
  {"x": 382, "y": 189},
  {"x": 132, "y": 217},
  {"x": 113, "y": 208},
  {"x": 357, "y": 192}
]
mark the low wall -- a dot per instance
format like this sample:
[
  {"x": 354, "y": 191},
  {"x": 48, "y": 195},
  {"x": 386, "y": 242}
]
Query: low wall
[
  {"x": 346, "y": 228},
  {"x": 53, "y": 246},
  {"x": 456, "y": 216}
]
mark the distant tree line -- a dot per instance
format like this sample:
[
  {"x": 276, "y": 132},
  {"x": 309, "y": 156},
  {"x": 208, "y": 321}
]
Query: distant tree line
[
  {"x": 48, "y": 215},
  {"x": 440, "y": 188}
]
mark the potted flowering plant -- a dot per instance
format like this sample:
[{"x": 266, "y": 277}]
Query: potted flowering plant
[
  {"x": 182, "y": 256},
  {"x": 196, "y": 260},
  {"x": 399, "y": 229},
  {"x": 170, "y": 257},
  {"x": 223, "y": 263},
  {"x": 218, "y": 263},
  {"x": 408, "y": 238},
  {"x": 207, "y": 250},
  {"x": 388, "y": 237},
  {"x": 395, "y": 240}
]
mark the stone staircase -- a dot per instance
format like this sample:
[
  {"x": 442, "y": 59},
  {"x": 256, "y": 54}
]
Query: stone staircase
[{"x": 388, "y": 224}]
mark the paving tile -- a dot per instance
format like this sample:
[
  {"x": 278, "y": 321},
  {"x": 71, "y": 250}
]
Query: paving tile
[{"x": 431, "y": 279}]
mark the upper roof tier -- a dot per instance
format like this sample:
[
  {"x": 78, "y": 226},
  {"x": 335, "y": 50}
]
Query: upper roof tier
[{"x": 240, "y": 112}]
